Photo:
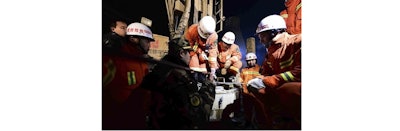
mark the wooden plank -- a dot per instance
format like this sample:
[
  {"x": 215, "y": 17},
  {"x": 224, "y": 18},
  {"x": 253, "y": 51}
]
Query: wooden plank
[
  {"x": 197, "y": 5},
  {"x": 179, "y": 6},
  {"x": 171, "y": 10},
  {"x": 210, "y": 9},
  {"x": 250, "y": 45},
  {"x": 204, "y": 10}
]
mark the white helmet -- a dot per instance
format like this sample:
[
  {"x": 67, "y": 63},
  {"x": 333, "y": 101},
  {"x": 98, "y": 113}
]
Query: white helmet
[
  {"x": 139, "y": 29},
  {"x": 251, "y": 56},
  {"x": 229, "y": 37},
  {"x": 271, "y": 22},
  {"x": 206, "y": 26}
]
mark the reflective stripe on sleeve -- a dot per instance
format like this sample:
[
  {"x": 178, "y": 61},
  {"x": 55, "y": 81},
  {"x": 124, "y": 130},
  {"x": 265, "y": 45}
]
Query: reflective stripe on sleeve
[
  {"x": 298, "y": 6},
  {"x": 251, "y": 73},
  {"x": 285, "y": 16},
  {"x": 287, "y": 76}
]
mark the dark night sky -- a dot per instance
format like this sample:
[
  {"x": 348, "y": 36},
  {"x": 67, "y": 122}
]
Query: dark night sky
[{"x": 249, "y": 13}]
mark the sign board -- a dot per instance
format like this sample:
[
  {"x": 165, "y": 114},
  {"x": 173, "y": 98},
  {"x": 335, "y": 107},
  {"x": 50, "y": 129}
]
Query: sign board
[{"x": 159, "y": 47}]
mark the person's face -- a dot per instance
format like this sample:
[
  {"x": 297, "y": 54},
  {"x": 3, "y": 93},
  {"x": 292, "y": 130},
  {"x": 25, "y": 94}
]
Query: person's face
[
  {"x": 120, "y": 28},
  {"x": 223, "y": 46},
  {"x": 264, "y": 37},
  {"x": 185, "y": 56},
  {"x": 251, "y": 63},
  {"x": 145, "y": 44},
  {"x": 226, "y": 46}
]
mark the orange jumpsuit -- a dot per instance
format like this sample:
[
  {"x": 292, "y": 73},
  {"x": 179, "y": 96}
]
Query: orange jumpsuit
[
  {"x": 248, "y": 74},
  {"x": 198, "y": 44},
  {"x": 284, "y": 63},
  {"x": 284, "y": 58},
  {"x": 292, "y": 16},
  {"x": 124, "y": 104},
  {"x": 233, "y": 54}
]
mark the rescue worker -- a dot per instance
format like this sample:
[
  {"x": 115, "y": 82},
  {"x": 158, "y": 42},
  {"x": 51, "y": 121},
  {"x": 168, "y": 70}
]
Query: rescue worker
[
  {"x": 124, "y": 104},
  {"x": 115, "y": 38},
  {"x": 177, "y": 101},
  {"x": 280, "y": 84},
  {"x": 251, "y": 71},
  {"x": 292, "y": 16},
  {"x": 229, "y": 56},
  {"x": 248, "y": 112},
  {"x": 203, "y": 39}
]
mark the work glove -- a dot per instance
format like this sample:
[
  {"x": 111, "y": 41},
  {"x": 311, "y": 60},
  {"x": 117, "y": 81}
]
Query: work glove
[
  {"x": 223, "y": 71},
  {"x": 227, "y": 64},
  {"x": 256, "y": 83},
  {"x": 212, "y": 74},
  {"x": 204, "y": 56},
  {"x": 271, "y": 81}
]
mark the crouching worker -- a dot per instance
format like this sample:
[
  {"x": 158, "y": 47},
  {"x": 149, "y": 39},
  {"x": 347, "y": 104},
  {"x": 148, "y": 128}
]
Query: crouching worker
[
  {"x": 229, "y": 57},
  {"x": 279, "y": 87}
]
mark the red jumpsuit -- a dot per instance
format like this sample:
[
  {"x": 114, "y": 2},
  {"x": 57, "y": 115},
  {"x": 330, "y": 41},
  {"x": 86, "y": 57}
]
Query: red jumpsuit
[
  {"x": 292, "y": 16},
  {"x": 124, "y": 104},
  {"x": 197, "y": 62}
]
